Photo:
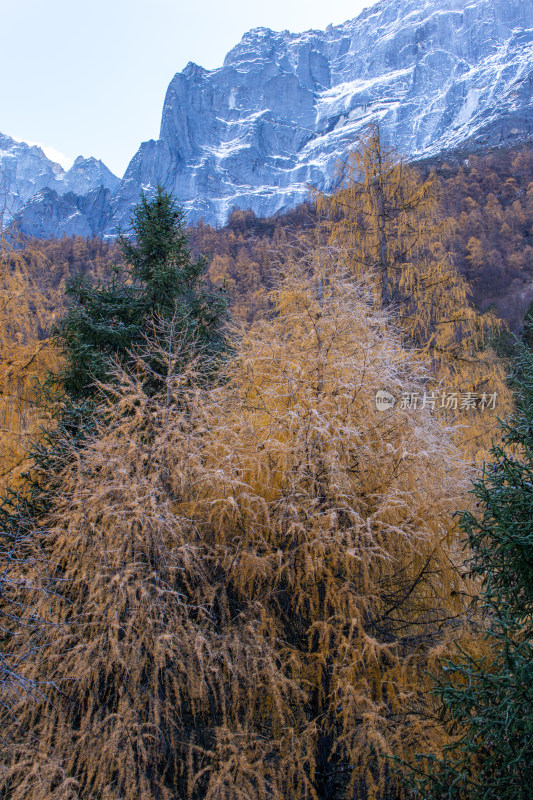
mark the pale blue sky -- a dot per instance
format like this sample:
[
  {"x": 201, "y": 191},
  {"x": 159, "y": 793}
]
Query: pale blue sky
[{"x": 90, "y": 78}]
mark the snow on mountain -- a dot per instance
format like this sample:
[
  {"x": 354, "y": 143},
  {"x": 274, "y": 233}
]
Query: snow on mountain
[
  {"x": 24, "y": 170},
  {"x": 29, "y": 181},
  {"x": 85, "y": 175},
  {"x": 52, "y": 214},
  {"x": 284, "y": 107}
]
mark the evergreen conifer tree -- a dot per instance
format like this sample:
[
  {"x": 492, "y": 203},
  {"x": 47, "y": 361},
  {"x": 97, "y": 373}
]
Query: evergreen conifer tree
[
  {"x": 161, "y": 281},
  {"x": 527, "y": 333},
  {"x": 488, "y": 701}
]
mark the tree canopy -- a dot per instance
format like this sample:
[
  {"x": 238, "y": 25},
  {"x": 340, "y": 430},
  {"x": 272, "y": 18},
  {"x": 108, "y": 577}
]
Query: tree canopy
[
  {"x": 383, "y": 220},
  {"x": 243, "y": 591},
  {"x": 159, "y": 280}
]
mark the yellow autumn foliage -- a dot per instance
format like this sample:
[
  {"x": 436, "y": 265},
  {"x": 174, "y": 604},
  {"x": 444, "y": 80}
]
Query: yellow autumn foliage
[
  {"x": 240, "y": 588},
  {"x": 382, "y": 219},
  {"x": 26, "y": 316}
]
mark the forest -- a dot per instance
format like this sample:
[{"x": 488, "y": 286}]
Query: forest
[{"x": 266, "y": 496}]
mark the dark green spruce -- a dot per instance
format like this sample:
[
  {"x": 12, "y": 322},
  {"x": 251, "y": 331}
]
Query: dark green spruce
[{"x": 160, "y": 282}]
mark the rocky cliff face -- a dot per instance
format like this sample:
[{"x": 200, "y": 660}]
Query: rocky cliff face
[
  {"x": 32, "y": 189},
  {"x": 51, "y": 214},
  {"x": 24, "y": 170},
  {"x": 84, "y": 176},
  {"x": 284, "y": 107}
]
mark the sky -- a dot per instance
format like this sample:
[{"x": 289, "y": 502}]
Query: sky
[{"x": 89, "y": 78}]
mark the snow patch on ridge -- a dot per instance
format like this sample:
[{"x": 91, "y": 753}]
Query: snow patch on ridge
[{"x": 470, "y": 106}]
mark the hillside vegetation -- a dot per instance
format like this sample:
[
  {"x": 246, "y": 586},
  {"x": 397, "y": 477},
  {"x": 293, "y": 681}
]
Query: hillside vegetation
[{"x": 229, "y": 571}]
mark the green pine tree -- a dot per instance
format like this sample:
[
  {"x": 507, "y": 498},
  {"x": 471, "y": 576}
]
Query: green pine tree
[
  {"x": 161, "y": 281},
  {"x": 488, "y": 702}
]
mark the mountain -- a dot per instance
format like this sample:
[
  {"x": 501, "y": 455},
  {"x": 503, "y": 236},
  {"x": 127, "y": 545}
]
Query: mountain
[
  {"x": 86, "y": 175},
  {"x": 31, "y": 182},
  {"x": 284, "y": 107},
  {"x": 24, "y": 170},
  {"x": 51, "y": 213}
]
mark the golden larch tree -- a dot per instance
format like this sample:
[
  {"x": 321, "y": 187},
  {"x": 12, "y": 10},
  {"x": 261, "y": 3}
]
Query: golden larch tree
[
  {"x": 26, "y": 317},
  {"x": 384, "y": 220},
  {"x": 245, "y": 584}
]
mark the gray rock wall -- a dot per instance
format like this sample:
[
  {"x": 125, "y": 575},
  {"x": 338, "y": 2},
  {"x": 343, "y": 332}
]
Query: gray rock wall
[{"x": 284, "y": 107}]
